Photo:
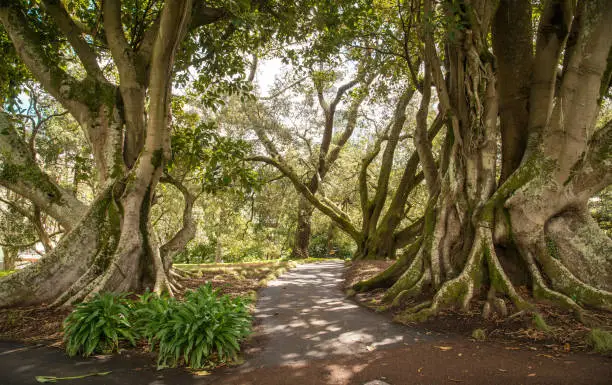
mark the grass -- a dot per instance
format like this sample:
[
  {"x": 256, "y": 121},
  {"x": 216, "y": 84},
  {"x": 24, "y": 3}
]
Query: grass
[{"x": 4, "y": 273}]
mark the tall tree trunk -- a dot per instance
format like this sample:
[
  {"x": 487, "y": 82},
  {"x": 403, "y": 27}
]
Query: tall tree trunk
[
  {"x": 10, "y": 258},
  {"x": 303, "y": 229}
]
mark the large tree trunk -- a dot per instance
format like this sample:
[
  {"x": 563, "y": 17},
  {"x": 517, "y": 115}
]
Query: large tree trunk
[
  {"x": 542, "y": 202},
  {"x": 10, "y": 258},
  {"x": 303, "y": 229},
  {"x": 112, "y": 247}
]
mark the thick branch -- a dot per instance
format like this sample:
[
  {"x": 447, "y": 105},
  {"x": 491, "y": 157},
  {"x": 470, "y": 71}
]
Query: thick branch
[
  {"x": 341, "y": 219},
  {"x": 20, "y": 174},
  {"x": 57, "y": 82},
  {"x": 187, "y": 231},
  {"x": 86, "y": 54}
]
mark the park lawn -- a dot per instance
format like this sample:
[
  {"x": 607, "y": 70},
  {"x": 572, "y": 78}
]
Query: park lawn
[{"x": 41, "y": 325}]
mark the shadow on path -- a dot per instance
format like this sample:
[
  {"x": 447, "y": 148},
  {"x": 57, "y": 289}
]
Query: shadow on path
[{"x": 304, "y": 316}]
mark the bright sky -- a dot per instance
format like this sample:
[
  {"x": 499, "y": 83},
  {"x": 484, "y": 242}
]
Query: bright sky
[{"x": 266, "y": 74}]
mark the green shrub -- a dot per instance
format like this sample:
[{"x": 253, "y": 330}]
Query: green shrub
[
  {"x": 4, "y": 273},
  {"x": 150, "y": 312},
  {"x": 98, "y": 325},
  {"x": 203, "y": 325},
  {"x": 339, "y": 247}
]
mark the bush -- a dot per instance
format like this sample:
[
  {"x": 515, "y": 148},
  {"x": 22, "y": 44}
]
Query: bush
[
  {"x": 203, "y": 325},
  {"x": 150, "y": 312},
  {"x": 98, "y": 325},
  {"x": 340, "y": 247}
]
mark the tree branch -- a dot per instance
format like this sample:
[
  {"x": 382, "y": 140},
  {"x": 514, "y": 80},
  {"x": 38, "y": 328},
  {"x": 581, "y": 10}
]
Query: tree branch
[
  {"x": 20, "y": 174},
  {"x": 342, "y": 220},
  {"x": 86, "y": 54}
]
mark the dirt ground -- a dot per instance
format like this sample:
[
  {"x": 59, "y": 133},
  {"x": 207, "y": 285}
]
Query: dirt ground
[{"x": 41, "y": 325}]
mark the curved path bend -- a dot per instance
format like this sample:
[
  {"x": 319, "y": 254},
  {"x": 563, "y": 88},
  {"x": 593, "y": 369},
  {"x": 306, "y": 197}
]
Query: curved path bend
[{"x": 308, "y": 333}]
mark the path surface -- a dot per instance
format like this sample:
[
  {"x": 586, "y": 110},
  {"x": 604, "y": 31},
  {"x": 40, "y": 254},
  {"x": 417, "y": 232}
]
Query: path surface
[
  {"x": 303, "y": 315},
  {"x": 309, "y": 334}
]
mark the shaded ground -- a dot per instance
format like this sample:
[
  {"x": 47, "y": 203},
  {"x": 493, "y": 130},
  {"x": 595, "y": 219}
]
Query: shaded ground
[
  {"x": 563, "y": 330},
  {"x": 40, "y": 325},
  {"x": 308, "y": 333}
]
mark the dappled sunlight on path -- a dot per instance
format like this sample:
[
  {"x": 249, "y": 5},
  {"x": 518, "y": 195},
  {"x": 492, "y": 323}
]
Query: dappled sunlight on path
[{"x": 304, "y": 315}]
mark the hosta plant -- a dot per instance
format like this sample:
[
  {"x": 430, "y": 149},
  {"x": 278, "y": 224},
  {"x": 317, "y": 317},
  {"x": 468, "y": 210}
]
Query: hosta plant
[{"x": 98, "y": 325}]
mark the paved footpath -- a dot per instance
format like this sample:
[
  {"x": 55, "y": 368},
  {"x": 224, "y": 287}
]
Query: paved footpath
[{"x": 308, "y": 333}]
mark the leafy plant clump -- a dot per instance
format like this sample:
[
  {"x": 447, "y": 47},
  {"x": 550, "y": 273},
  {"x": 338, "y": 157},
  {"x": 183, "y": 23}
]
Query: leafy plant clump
[
  {"x": 205, "y": 324},
  {"x": 204, "y": 327},
  {"x": 98, "y": 325}
]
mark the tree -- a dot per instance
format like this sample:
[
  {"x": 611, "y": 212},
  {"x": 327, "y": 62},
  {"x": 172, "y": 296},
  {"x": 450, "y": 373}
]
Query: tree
[
  {"x": 125, "y": 116},
  {"x": 331, "y": 142},
  {"x": 554, "y": 158}
]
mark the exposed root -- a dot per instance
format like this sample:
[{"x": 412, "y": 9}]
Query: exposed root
[
  {"x": 565, "y": 282},
  {"x": 458, "y": 291},
  {"x": 497, "y": 276},
  {"x": 541, "y": 290},
  {"x": 412, "y": 292},
  {"x": 494, "y": 304},
  {"x": 391, "y": 274},
  {"x": 410, "y": 277}
]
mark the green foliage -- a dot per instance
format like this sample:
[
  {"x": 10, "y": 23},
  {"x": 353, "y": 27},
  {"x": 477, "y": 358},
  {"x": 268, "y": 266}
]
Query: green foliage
[
  {"x": 200, "y": 253},
  {"x": 320, "y": 247},
  {"x": 150, "y": 312},
  {"x": 203, "y": 327},
  {"x": 215, "y": 161},
  {"x": 99, "y": 325},
  {"x": 6, "y": 272},
  {"x": 204, "y": 324},
  {"x": 600, "y": 340}
]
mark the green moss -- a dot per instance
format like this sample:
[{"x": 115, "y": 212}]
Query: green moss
[
  {"x": 552, "y": 248},
  {"x": 157, "y": 158},
  {"x": 600, "y": 340},
  {"x": 479, "y": 334},
  {"x": 539, "y": 323},
  {"x": 31, "y": 175}
]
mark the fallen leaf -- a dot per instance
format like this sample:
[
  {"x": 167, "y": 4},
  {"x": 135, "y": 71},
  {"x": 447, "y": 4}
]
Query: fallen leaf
[
  {"x": 566, "y": 347},
  {"x": 460, "y": 354},
  {"x": 531, "y": 375},
  {"x": 444, "y": 348},
  {"x": 202, "y": 373},
  {"x": 370, "y": 348},
  {"x": 419, "y": 369},
  {"x": 454, "y": 380},
  {"x": 55, "y": 379},
  {"x": 512, "y": 348},
  {"x": 502, "y": 370},
  {"x": 546, "y": 355}
]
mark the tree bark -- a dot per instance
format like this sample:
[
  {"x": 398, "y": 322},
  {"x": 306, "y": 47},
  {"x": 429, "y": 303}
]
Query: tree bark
[
  {"x": 303, "y": 230},
  {"x": 112, "y": 247},
  {"x": 543, "y": 200}
]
